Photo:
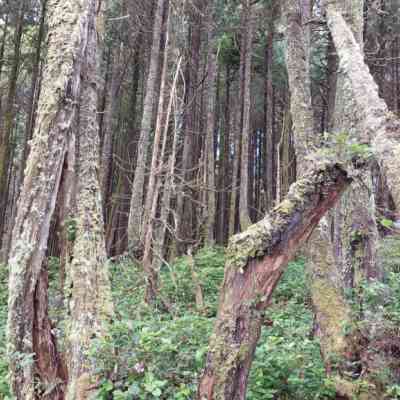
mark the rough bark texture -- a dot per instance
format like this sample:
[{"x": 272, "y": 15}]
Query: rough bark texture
[
  {"x": 88, "y": 287},
  {"x": 300, "y": 85},
  {"x": 378, "y": 127},
  {"x": 49, "y": 366},
  {"x": 56, "y": 112},
  {"x": 330, "y": 308},
  {"x": 356, "y": 232},
  {"x": 256, "y": 259}
]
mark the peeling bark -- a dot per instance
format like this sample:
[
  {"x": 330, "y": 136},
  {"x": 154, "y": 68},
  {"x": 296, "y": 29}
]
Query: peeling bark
[
  {"x": 56, "y": 112},
  {"x": 256, "y": 259},
  {"x": 89, "y": 290}
]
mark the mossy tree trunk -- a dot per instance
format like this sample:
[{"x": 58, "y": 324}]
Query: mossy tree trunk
[
  {"x": 256, "y": 259},
  {"x": 70, "y": 57},
  {"x": 330, "y": 308},
  {"x": 297, "y": 61},
  {"x": 377, "y": 126},
  {"x": 354, "y": 222},
  {"x": 56, "y": 113},
  {"x": 88, "y": 289}
]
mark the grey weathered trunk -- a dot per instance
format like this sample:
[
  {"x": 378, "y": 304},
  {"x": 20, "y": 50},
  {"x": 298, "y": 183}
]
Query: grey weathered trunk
[
  {"x": 248, "y": 31},
  {"x": 378, "y": 126},
  {"x": 88, "y": 290},
  {"x": 354, "y": 220},
  {"x": 328, "y": 303},
  {"x": 297, "y": 61},
  {"x": 136, "y": 202},
  {"x": 151, "y": 202},
  {"x": 236, "y": 109},
  {"x": 56, "y": 112}
]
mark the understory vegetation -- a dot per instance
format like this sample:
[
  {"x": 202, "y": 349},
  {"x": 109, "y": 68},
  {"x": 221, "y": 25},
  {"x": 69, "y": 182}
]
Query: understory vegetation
[{"x": 155, "y": 353}]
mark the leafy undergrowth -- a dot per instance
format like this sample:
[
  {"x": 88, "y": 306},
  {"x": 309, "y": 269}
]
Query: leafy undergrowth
[
  {"x": 154, "y": 354},
  {"x": 4, "y": 388},
  {"x": 160, "y": 355}
]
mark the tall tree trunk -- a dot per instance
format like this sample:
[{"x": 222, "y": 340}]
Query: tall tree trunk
[
  {"x": 255, "y": 260},
  {"x": 3, "y": 45},
  {"x": 112, "y": 89},
  {"x": 297, "y": 60},
  {"x": 7, "y": 122},
  {"x": 226, "y": 177},
  {"x": 154, "y": 184},
  {"x": 136, "y": 203},
  {"x": 57, "y": 110},
  {"x": 248, "y": 32},
  {"x": 328, "y": 302},
  {"x": 236, "y": 106},
  {"x": 209, "y": 152},
  {"x": 356, "y": 232},
  {"x": 89, "y": 302},
  {"x": 34, "y": 90},
  {"x": 238, "y": 126},
  {"x": 377, "y": 125},
  {"x": 185, "y": 210},
  {"x": 29, "y": 123},
  {"x": 269, "y": 136}
]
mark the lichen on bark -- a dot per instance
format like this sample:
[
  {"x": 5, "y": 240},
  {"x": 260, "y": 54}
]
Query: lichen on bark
[
  {"x": 256, "y": 260},
  {"x": 378, "y": 127},
  {"x": 56, "y": 112},
  {"x": 89, "y": 303}
]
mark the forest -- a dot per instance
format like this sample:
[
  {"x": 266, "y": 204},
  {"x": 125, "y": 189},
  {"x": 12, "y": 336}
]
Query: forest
[{"x": 200, "y": 199}]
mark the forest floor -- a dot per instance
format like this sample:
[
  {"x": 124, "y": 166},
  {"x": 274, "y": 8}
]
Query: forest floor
[{"x": 158, "y": 354}]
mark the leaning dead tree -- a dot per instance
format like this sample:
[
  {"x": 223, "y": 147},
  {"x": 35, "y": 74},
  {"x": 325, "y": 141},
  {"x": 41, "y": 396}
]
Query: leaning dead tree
[{"x": 256, "y": 259}]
